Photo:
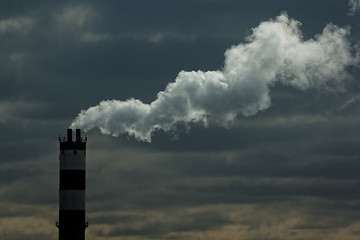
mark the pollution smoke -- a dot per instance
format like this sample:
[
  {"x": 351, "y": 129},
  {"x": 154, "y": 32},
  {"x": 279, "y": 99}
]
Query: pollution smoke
[
  {"x": 274, "y": 53},
  {"x": 354, "y": 7}
]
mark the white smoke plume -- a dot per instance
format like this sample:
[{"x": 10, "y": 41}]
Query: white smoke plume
[
  {"x": 274, "y": 53},
  {"x": 354, "y": 7}
]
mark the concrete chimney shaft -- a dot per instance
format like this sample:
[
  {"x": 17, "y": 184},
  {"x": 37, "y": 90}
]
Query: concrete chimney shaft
[{"x": 72, "y": 179}]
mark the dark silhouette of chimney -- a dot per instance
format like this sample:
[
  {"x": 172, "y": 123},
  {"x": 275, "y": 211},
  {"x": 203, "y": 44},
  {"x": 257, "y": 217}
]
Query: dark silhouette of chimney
[{"x": 71, "y": 222}]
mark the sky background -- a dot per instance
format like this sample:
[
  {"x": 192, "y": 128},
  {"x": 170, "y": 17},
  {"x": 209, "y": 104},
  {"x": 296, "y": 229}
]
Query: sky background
[{"x": 290, "y": 172}]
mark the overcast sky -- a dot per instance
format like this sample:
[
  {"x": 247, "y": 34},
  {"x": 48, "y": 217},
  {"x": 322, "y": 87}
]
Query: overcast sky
[{"x": 260, "y": 142}]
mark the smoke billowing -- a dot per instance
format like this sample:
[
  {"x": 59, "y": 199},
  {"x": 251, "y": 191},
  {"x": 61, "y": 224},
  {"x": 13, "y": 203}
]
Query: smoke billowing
[
  {"x": 354, "y": 7},
  {"x": 275, "y": 53}
]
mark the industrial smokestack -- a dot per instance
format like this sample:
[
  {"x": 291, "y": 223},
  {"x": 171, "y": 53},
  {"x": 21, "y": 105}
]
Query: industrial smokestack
[
  {"x": 72, "y": 223},
  {"x": 69, "y": 135},
  {"x": 78, "y": 135}
]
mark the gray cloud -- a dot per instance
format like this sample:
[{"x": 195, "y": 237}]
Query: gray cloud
[
  {"x": 354, "y": 7},
  {"x": 275, "y": 52},
  {"x": 191, "y": 222},
  {"x": 20, "y": 25},
  {"x": 290, "y": 172}
]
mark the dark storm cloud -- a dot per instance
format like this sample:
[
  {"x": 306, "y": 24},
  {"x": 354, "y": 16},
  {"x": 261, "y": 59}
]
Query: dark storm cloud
[
  {"x": 287, "y": 173},
  {"x": 64, "y": 60},
  {"x": 191, "y": 222},
  {"x": 268, "y": 164},
  {"x": 193, "y": 178},
  {"x": 11, "y": 236}
]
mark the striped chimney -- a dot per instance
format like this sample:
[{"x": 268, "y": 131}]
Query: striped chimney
[{"x": 72, "y": 175}]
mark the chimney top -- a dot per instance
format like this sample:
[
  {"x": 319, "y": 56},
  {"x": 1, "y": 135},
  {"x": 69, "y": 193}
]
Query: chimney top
[
  {"x": 78, "y": 135},
  {"x": 79, "y": 143},
  {"x": 69, "y": 135}
]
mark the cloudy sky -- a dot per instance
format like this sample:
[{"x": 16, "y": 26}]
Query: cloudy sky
[{"x": 205, "y": 119}]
